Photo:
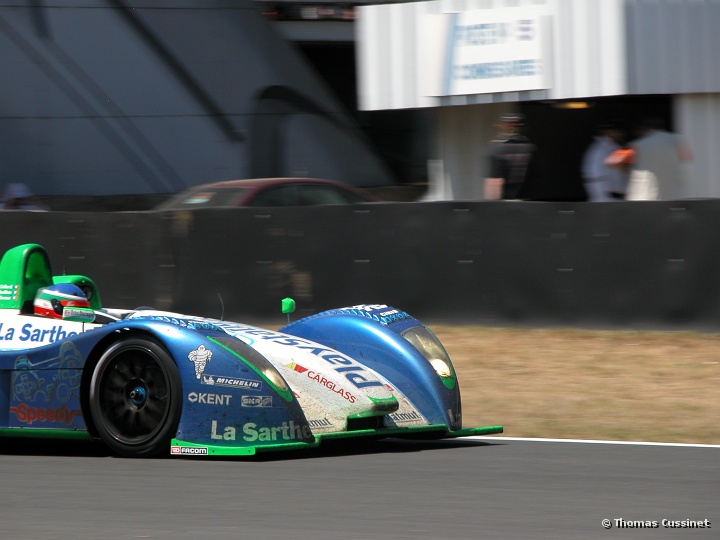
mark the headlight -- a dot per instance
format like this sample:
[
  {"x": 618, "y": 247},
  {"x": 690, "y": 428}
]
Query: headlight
[
  {"x": 441, "y": 367},
  {"x": 257, "y": 362},
  {"x": 430, "y": 347},
  {"x": 274, "y": 377}
]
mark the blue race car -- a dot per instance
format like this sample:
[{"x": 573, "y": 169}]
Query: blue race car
[{"x": 149, "y": 382}]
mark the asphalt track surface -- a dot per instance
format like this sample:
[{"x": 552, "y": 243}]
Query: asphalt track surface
[{"x": 484, "y": 488}]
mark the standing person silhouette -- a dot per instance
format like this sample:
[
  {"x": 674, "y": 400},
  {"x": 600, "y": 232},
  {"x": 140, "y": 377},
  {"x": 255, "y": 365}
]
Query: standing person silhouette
[
  {"x": 17, "y": 196},
  {"x": 513, "y": 161},
  {"x": 603, "y": 182}
]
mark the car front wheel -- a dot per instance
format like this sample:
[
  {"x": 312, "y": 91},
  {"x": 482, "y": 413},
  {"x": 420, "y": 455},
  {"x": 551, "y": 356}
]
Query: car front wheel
[{"x": 135, "y": 398}]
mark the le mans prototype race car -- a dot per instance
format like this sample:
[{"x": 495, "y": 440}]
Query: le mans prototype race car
[{"x": 149, "y": 382}]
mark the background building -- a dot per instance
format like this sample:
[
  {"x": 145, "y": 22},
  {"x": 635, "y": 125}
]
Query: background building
[
  {"x": 594, "y": 60},
  {"x": 149, "y": 97}
]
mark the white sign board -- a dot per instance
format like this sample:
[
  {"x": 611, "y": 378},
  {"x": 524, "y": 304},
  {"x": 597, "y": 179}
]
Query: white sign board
[{"x": 484, "y": 51}]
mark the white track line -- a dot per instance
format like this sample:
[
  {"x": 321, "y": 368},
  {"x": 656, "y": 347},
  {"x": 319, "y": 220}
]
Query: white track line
[{"x": 588, "y": 441}]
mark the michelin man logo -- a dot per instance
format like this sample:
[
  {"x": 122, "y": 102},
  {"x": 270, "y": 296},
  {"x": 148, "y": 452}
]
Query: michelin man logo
[{"x": 200, "y": 358}]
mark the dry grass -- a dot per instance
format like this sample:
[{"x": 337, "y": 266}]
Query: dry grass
[{"x": 636, "y": 386}]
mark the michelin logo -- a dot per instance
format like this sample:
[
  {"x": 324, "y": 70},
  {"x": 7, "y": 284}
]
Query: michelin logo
[
  {"x": 230, "y": 382},
  {"x": 200, "y": 357}
]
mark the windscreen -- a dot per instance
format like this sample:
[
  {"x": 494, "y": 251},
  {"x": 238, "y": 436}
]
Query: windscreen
[{"x": 205, "y": 198}]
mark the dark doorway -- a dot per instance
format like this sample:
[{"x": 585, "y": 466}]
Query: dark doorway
[{"x": 563, "y": 130}]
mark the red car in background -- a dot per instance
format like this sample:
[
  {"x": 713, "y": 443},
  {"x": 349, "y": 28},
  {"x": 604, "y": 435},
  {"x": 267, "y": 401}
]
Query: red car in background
[{"x": 264, "y": 192}]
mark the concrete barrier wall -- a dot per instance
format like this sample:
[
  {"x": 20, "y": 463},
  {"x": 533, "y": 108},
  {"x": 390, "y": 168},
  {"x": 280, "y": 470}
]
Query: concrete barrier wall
[{"x": 619, "y": 265}]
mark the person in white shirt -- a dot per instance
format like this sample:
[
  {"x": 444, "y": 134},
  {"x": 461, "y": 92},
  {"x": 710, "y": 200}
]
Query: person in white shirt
[{"x": 658, "y": 161}]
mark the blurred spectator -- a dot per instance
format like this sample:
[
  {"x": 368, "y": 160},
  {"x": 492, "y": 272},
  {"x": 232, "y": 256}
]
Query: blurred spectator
[
  {"x": 657, "y": 171},
  {"x": 604, "y": 182},
  {"x": 513, "y": 161},
  {"x": 17, "y": 196}
]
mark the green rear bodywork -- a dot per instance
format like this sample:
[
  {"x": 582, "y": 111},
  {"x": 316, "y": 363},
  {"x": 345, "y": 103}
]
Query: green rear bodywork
[{"x": 25, "y": 269}]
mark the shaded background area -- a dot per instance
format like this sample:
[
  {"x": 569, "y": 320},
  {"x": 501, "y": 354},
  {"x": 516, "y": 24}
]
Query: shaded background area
[
  {"x": 618, "y": 265},
  {"x": 115, "y": 97}
]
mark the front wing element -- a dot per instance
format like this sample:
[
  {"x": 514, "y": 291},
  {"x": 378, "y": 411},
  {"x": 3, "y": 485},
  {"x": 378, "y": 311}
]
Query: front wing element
[{"x": 429, "y": 432}]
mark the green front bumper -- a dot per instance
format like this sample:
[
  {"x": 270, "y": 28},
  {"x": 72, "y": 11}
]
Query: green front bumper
[{"x": 438, "y": 431}]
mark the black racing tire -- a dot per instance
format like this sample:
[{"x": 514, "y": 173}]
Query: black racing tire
[{"x": 136, "y": 398}]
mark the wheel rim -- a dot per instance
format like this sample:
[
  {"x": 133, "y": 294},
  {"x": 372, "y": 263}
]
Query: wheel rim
[{"x": 134, "y": 396}]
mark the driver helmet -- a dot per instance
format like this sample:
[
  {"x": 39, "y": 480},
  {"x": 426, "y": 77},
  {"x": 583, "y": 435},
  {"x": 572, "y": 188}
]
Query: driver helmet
[{"x": 63, "y": 301}]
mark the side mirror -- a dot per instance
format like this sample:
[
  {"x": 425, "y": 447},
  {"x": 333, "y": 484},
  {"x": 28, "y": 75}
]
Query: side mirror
[{"x": 288, "y": 306}]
